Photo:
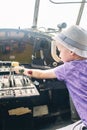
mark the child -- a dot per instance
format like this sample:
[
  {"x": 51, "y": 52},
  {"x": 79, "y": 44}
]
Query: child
[{"x": 72, "y": 45}]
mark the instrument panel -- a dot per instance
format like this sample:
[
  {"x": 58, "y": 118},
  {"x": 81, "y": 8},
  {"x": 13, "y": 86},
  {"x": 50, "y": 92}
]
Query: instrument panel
[{"x": 14, "y": 85}]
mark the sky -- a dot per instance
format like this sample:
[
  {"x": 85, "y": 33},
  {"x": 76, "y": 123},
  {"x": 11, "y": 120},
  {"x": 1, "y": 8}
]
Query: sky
[{"x": 19, "y": 13}]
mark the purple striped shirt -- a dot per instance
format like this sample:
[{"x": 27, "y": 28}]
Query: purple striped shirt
[{"x": 74, "y": 73}]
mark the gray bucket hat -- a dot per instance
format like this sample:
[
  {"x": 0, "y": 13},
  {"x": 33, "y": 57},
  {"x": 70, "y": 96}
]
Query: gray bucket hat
[{"x": 74, "y": 39}]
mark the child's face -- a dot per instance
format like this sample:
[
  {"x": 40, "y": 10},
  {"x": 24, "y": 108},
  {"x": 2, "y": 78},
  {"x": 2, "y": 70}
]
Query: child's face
[{"x": 65, "y": 54}]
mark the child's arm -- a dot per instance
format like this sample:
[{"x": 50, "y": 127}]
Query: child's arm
[{"x": 36, "y": 73}]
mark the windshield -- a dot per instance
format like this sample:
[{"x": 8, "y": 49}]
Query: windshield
[{"x": 17, "y": 13}]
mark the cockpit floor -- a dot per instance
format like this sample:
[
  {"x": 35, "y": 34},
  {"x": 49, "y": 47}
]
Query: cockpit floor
[{"x": 52, "y": 124}]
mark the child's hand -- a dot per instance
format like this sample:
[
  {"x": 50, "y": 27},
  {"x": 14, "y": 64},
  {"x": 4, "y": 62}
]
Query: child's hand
[{"x": 18, "y": 69}]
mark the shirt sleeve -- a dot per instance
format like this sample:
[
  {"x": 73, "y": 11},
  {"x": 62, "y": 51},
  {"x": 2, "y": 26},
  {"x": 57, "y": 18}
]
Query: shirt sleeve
[{"x": 60, "y": 72}]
